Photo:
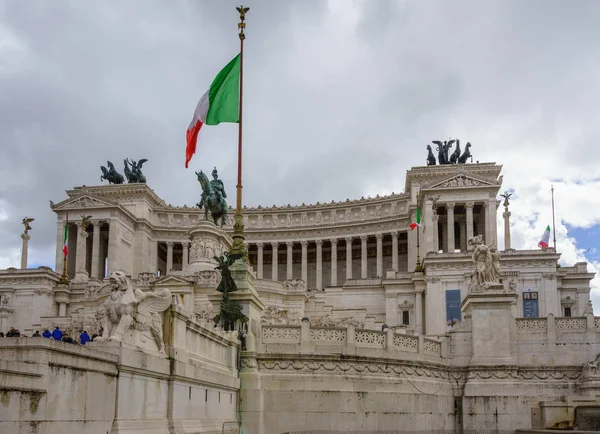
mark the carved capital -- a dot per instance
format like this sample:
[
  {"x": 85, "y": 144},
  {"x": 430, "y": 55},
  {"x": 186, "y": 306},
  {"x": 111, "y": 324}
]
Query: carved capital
[
  {"x": 364, "y": 238},
  {"x": 469, "y": 205},
  {"x": 333, "y": 242},
  {"x": 304, "y": 244},
  {"x": 290, "y": 244},
  {"x": 259, "y": 245},
  {"x": 395, "y": 235},
  {"x": 379, "y": 237},
  {"x": 450, "y": 206},
  {"x": 506, "y": 214},
  {"x": 549, "y": 276},
  {"x": 435, "y": 217},
  {"x": 274, "y": 246},
  {"x": 185, "y": 244},
  {"x": 25, "y": 237},
  {"x": 170, "y": 244},
  {"x": 348, "y": 240},
  {"x": 319, "y": 243}
]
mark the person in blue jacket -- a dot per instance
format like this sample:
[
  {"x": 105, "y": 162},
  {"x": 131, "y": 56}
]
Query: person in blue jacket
[
  {"x": 57, "y": 334},
  {"x": 47, "y": 334},
  {"x": 84, "y": 337}
]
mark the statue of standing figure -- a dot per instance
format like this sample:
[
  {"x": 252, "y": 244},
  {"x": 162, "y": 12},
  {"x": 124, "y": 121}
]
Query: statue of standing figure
[{"x": 487, "y": 264}]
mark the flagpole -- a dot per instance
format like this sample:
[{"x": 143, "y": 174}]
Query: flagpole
[
  {"x": 64, "y": 280},
  {"x": 238, "y": 228},
  {"x": 553, "y": 223},
  {"x": 418, "y": 267}
]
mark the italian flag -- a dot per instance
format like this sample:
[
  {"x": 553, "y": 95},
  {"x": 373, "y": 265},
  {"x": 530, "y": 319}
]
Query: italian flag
[
  {"x": 219, "y": 104},
  {"x": 545, "y": 238},
  {"x": 418, "y": 220},
  {"x": 65, "y": 246}
]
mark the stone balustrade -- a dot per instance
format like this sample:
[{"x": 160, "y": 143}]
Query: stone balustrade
[
  {"x": 350, "y": 341},
  {"x": 561, "y": 324}
]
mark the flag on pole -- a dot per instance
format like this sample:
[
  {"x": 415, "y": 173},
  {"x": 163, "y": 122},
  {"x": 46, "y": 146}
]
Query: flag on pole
[
  {"x": 219, "y": 104},
  {"x": 545, "y": 238},
  {"x": 65, "y": 246},
  {"x": 418, "y": 220}
]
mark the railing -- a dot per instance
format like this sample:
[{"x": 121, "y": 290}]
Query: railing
[
  {"x": 566, "y": 324},
  {"x": 337, "y": 339}
]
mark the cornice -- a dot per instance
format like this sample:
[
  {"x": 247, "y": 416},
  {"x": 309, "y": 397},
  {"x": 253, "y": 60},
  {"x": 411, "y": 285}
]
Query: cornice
[{"x": 428, "y": 175}]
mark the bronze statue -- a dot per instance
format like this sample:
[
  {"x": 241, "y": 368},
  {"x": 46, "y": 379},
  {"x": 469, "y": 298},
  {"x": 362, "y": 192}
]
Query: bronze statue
[
  {"x": 466, "y": 155},
  {"x": 111, "y": 175},
  {"x": 442, "y": 148},
  {"x": 456, "y": 154},
  {"x": 231, "y": 311},
  {"x": 26, "y": 222},
  {"x": 506, "y": 196},
  {"x": 85, "y": 221},
  {"x": 430, "y": 156},
  {"x": 213, "y": 197},
  {"x": 135, "y": 175}
]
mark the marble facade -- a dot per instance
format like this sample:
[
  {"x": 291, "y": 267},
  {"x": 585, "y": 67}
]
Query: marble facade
[{"x": 343, "y": 333}]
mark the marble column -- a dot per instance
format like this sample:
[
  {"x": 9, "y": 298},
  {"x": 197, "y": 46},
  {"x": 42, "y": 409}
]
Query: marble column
[
  {"x": 463, "y": 235},
  {"x": 259, "y": 260},
  {"x": 304, "y": 245},
  {"x": 169, "y": 256},
  {"x": 319, "y": 264},
  {"x": 60, "y": 258},
  {"x": 275, "y": 261},
  {"x": 113, "y": 247},
  {"x": 395, "y": 251},
  {"x": 379, "y": 238},
  {"x": 469, "y": 206},
  {"x": 154, "y": 257},
  {"x": 419, "y": 311},
  {"x": 348, "y": 258},
  {"x": 450, "y": 231},
  {"x": 334, "y": 262},
  {"x": 96, "y": 250},
  {"x": 25, "y": 237},
  {"x": 290, "y": 263},
  {"x": 506, "y": 215},
  {"x": 81, "y": 254},
  {"x": 434, "y": 226},
  {"x": 186, "y": 255},
  {"x": 363, "y": 256}
]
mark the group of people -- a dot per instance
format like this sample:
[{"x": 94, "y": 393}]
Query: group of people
[{"x": 57, "y": 334}]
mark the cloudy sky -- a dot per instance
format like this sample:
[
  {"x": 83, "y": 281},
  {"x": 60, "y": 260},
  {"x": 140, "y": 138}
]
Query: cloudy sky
[{"x": 341, "y": 98}]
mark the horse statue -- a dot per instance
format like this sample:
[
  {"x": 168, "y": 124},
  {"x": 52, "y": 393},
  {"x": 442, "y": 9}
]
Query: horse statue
[
  {"x": 430, "y": 156},
  {"x": 466, "y": 155},
  {"x": 456, "y": 154},
  {"x": 211, "y": 200},
  {"x": 111, "y": 175},
  {"x": 136, "y": 170}
]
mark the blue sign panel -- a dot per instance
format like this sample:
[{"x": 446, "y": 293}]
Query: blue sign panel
[
  {"x": 530, "y": 305},
  {"x": 453, "y": 313}
]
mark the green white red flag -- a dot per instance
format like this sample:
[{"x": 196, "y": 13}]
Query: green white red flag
[
  {"x": 65, "y": 248},
  {"x": 417, "y": 221},
  {"x": 545, "y": 238},
  {"x": 219, "y": 104}
]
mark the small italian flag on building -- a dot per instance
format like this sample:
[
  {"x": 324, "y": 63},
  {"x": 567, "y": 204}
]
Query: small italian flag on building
[
  {"x": 545, "y": 238},
  {"x": 219, "y": 104},
  {"x": 66, "y": 237},
  {"x": 417, "y": 221}
]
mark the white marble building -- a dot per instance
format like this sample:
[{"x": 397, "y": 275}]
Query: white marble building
[{"x": 345, "y": 331}]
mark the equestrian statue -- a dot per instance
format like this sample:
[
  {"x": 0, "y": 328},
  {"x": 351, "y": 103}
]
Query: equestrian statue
[
  {"x": 443, "y": 147},
  {"x": 213, "y": 197},
  {"x": 111, "y": 175}
]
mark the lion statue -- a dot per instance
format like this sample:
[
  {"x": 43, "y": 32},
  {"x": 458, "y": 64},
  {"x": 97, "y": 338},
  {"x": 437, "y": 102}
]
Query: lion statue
[{"x": 128, "y": 308}]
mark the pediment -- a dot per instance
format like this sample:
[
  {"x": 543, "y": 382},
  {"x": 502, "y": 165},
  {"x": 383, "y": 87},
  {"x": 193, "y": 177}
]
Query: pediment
[
  {"x": 462, "y": 181},
  {"x": 171, "y": 280},
  {"x": 84, "y": 201}
]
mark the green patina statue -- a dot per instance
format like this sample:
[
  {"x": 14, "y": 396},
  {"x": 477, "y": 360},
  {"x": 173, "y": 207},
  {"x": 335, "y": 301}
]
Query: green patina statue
[
  {"x": 213, "y": 197},
  {"x": 134, "y": 175},
  {"x": 231, "y": 311}
]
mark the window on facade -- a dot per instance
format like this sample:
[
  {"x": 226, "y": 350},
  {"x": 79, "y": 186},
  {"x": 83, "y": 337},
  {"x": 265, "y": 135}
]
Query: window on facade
[
  {"x": 567, "y": 311},
  {"x": 405, "y": 317},
  {"x": 530, "y": 304}
]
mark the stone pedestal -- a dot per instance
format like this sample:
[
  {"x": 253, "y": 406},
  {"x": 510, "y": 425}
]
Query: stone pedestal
[
  {"x": 208, "y": 241},
  {"x": 506, "y": 215},
  {"x": 25, "y": 238},
  {"x": 494, "y": 331}
]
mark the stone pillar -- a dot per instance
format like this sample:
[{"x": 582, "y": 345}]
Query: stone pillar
[
  {"x": 96, "y": 250},
  {"x": 304, "y": 245},
  {"x": 113, "y": 247},
  {"x": 490, "y": 311},
  {"x": 469, "y": 206},
  {"x": 450, "y": 211},
  {"x": 290, "y": 263},
  {"x": 62, "y": 309},
  {"x": 463, "y": 235},
  {"x": 434, "y": 223},
  {"x": 333, "y": 262},
  {"x": 275, "y": 261},
  {"x": 395, "y": 251},
  {"x": 506, "y": 215},
  {"x": 154, "y": 257},
  {"x": 379, "y": 254},
  {"x": 363, "y": 256},
  {"x": 60, "y": 234},
  {"x": 186, "y": 255},
  {"x": 348, "y": 258},
  {"x": 25, "y": 237},
  {"x": 319, "y": 264},
  {"x": 259, "y": 260},
  {"x": 169, "y": 256},
  {"x": 81, "y": 255},
  {"x": 419, "y": 311}
]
